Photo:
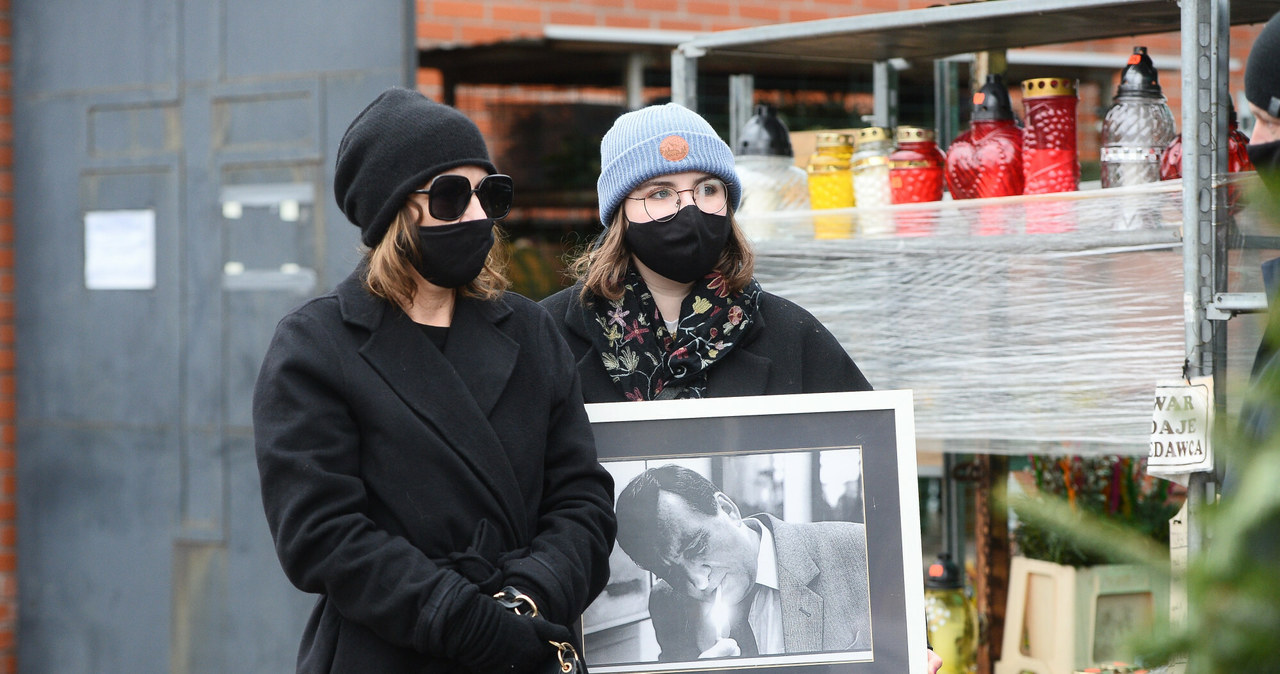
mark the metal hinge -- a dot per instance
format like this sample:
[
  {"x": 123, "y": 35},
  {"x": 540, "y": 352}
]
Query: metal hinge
[{"x": 1227, "y": 305}]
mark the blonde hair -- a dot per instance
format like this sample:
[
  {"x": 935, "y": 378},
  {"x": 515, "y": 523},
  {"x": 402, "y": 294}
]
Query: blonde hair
[
  {"x": 602, "y": 267},
  {"x": 391, "y": 275}
]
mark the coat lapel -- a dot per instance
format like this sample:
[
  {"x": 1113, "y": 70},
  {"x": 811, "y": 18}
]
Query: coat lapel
[
  {"x": 802, "y": 617},
  {"x": 455, "y": 402},
  {"x": 488, "y": 355},
  {"x": 597, "y": 387}
]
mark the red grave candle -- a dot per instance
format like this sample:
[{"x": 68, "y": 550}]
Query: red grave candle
[
  {"x": 1050, "y": 161},
  {"x": 915, "y": 168},
  {"x": 915, "y": 176},
  {"x": 986, "y": 160},
  {"x": 1237, "y": 154}
]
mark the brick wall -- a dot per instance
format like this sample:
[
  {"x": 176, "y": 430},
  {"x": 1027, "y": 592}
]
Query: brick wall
[
  {"x": 472, "y": 21},
  {"x": 8, "y": 415}
]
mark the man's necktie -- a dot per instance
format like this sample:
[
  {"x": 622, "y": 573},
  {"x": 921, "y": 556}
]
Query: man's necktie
[{"x": 740, "y": 631}]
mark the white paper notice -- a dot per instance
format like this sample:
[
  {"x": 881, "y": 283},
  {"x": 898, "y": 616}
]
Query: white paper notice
[
  {"x": 1180, "y": 429},
  {"x": 120, "y": 250}
]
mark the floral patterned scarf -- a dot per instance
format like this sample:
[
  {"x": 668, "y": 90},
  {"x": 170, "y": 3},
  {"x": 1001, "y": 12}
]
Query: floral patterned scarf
[{"x": 645, "y": 360}]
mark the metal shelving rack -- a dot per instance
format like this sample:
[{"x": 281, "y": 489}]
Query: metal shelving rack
[{"x": 943, "y": 32}]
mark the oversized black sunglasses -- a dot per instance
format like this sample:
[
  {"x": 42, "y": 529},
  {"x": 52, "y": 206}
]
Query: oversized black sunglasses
[{"x": 450, "y": 194}]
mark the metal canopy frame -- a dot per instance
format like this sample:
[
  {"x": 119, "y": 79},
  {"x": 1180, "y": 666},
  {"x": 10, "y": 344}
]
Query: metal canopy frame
[
  {"x": 937, "y": 32},
  {"x": 595, "y": 56}
]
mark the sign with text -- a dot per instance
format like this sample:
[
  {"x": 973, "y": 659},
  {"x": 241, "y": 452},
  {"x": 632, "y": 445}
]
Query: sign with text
[
  {"x": 120, "y": 250},
  {"x": 1180, "y": 429}
]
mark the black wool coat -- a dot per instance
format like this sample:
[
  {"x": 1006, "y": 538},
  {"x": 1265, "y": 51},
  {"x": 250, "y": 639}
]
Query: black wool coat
[
  {"x": 393, "y": 474},
  {"x": 787, "y": 350}
]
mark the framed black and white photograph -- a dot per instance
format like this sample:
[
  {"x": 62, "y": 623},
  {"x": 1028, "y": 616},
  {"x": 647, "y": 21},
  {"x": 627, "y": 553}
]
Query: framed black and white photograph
[{"x": 763, "y": 533}]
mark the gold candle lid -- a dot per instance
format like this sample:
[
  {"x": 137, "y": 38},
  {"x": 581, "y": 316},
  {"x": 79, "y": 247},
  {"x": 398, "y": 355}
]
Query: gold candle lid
[
  {"x": 872, "y": 134},
  {"x": 830, "y": 139},
  {"x": 915, "y": 134},
  {"x": 1040, "y": 87}
]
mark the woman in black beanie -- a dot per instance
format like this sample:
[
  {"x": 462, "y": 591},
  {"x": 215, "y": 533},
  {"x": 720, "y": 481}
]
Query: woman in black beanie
[{"x": 427, "y": 467}]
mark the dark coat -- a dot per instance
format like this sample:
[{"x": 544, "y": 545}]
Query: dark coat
[
  {"x": 383, "y": 460},
  {"x": 786, "y": 351},
  {"x": 1259, "y": 412}
]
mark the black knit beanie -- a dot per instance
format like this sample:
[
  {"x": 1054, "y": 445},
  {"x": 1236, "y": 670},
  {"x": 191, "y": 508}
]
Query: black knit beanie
[
  {"x": 1262, "y": 71},
  {"x": 394, "y": 146}
]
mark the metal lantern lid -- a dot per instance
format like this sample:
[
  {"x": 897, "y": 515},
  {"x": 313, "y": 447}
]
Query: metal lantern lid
[
  {"x": 871, "y": 134},
  {"x": 764, "y": 134},
  {"x": 1042, "y": 87},
  {"x": 825, "y": 139},
  {"x": 1139, "y": 77},
  {"x": 915, "y": 134},
  {"x": 943, "y": 574},
  {"x": 991, "y": 103}
]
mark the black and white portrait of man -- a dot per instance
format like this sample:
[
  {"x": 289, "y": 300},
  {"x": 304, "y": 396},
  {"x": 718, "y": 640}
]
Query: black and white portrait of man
[{"x": 729, "y": 581}]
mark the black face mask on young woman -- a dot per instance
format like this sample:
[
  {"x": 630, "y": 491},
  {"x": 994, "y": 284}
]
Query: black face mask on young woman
[
  {"x": 453, "y": 255},
  {"x": 1266, "y": 159},
  {"x": 684, "y": 248}
]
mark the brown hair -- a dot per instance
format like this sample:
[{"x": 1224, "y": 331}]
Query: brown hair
[
  {"x": 391, "y": 274},
  {"x": 602, "y": 267}
]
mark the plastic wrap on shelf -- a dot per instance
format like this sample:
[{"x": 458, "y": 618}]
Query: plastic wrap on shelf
[{"x": 1022, "y": 323}]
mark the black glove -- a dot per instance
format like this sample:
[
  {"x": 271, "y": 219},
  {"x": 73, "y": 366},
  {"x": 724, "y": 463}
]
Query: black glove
[{"x": 485, "y": 637}]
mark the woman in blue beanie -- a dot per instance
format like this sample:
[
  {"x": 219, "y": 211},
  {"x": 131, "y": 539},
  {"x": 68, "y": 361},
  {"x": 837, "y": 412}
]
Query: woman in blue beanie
[
  {"x": 426, "y": 463},
  {"x": 666, "y": 305}
]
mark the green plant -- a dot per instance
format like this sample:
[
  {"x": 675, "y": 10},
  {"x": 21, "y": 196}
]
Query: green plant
[
  {"x": 1232, "y": 613},
  {"x": 1233, "y": 599},
  {"x": 1111, "y": 492}
]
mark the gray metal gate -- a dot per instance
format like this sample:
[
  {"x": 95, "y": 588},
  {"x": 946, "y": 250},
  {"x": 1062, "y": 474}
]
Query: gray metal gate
[{"x": 173, "y": 170}]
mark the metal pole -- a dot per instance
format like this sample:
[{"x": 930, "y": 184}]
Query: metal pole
[
  {"x": 953, "y": 516},
  {"x": 1222, "y": 221},
  {"x": 684, "y": 78},
  {"x": 741, "y": 99},
  {"x": 885, "y": 91},
  {"x": 946, "y": 101},
  {"x": 1205, "y": 53},
  {"x": 635, "y": 80}
]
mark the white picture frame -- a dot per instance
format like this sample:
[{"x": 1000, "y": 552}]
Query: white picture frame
[{"x": 797, "y": 449}]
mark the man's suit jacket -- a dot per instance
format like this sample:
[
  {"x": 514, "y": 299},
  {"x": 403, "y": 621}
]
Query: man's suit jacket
[{"x": 822, "y": 578}]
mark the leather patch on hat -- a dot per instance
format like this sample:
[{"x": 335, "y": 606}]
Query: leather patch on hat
[{"x": 673, "y": 148}]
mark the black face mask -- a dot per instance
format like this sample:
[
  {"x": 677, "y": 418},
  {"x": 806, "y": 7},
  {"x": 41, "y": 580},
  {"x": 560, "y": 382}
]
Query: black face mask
[
  {"x": 1266, "y": 159},
  {"x": 452, "y": 255},
  {"x": 684, "y": 248}
]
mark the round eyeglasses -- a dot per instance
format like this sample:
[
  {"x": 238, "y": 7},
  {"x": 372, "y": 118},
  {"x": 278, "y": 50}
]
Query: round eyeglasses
[
  {"x": 662, "y": 202},
  {"x": 450, "y": 194}
]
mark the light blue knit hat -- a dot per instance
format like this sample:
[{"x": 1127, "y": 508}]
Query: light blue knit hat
[{"x": 655, "y": 141}]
